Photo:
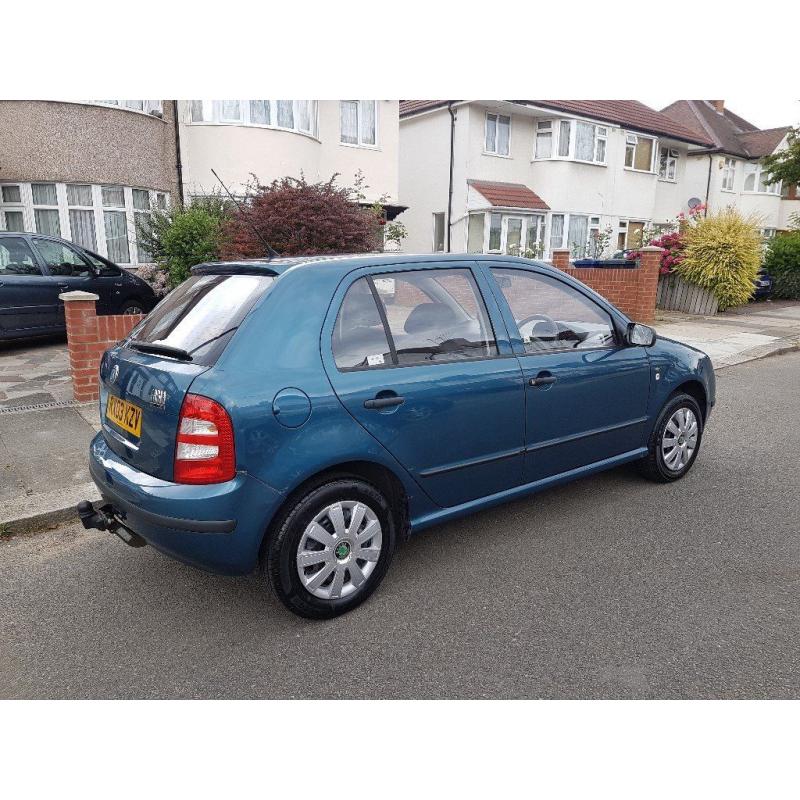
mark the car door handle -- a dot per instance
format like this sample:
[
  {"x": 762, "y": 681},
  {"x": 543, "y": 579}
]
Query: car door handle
[
  {"x": 542, "y": 379},
  {"x": 384, "y": 402}
]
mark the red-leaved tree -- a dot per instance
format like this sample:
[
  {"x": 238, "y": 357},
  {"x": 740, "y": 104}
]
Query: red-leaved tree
[{"x": 297, "y": 218}]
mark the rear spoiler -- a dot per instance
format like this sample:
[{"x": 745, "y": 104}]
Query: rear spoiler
[{"x": 235, "y": 268}]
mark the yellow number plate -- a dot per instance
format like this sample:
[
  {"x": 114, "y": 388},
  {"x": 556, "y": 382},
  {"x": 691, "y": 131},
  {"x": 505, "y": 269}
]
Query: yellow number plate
[{"x": 125, "y": 414}]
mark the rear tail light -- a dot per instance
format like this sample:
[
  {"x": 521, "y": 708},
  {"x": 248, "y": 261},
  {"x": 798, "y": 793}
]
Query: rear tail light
[{"x": 204, "y": 451}]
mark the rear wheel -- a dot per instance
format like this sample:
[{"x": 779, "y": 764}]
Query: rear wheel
[
  {"x": 675, "y": 441},
  {"x": 331, "y": 549}
]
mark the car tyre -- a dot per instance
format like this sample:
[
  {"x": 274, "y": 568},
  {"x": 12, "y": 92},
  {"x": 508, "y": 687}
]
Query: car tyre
[
  {"x": 675, "y": 441},
  {"x": 292, "y": 548},
  {"x": 133, "y": 306}
]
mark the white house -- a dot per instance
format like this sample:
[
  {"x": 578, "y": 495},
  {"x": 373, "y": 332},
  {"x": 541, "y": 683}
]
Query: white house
[
  {"x": 515, "y": 175},
  {"x": 275, "y": 138},
  {"x": 729, "y": 172}
]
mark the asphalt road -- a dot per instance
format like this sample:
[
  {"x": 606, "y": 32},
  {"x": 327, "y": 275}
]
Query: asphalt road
[{"x": 611, "y": 587}]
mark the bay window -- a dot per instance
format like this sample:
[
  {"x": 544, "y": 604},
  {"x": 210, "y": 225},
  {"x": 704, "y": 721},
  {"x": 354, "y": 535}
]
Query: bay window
[
  {"x": 639, "y": 152},
  {"x": 475, "y": 233},
  {"x": 556, "y": 232},
  {"x": 755, "y": 180},
  {"x": 495, "y": 231},
  {"x": 728, "y": 174},
  {"x": 667, "y": 163},
  {"x": 498, "y": 134},
  {"x": 80, "y": 201},
  {"x": 578, "y": 236},
  {"x": 359, "y": 122},
  {"x": 12, "y": 217},
  {"x": 294, "y": 115},
  {"x": 116, "y": 224},
  {"x": 505, "y": 232},
  {"x": 575, "y": 140}
]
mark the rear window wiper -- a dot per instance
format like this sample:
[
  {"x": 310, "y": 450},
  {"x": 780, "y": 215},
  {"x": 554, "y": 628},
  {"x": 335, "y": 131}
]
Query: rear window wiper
[{"x": 160, "y": 349}]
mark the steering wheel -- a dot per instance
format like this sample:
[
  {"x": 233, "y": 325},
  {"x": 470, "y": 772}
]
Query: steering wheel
[{"x": 537, "y": 318}]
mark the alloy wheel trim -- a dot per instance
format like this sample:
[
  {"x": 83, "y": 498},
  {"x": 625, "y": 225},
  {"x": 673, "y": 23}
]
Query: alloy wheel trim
[
  {"x": 679, "y": 440},
  {"x": 339, "y": 550}
]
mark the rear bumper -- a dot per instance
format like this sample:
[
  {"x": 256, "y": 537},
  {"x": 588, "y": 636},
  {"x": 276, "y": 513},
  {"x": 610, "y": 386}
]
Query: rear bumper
[{"x": 218, "y": 527}]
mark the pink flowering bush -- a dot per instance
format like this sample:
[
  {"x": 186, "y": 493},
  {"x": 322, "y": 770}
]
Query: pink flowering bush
[
  {"x": 156, "y": 277},
  {"x": 673, "y": 242}
]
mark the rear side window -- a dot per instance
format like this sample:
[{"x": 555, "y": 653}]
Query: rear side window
[
  {"x": 421, "y": 317},
  {"x": 16, "y": 257},
  {"x": 202, "y": 314}
]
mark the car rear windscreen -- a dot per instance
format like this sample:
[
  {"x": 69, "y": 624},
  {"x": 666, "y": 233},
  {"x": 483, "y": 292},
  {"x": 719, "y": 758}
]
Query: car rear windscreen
[{"x": 201, "y": 315}]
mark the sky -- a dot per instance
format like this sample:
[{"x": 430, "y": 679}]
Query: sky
[{"x": 764, "y": 112}]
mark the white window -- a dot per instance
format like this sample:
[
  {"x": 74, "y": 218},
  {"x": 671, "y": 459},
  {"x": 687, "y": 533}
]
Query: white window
[
  {"x": 295, "y": 115},
  {"x": 475, "y": 233},
  {"x": 576, "y": 140},
  {"x": 45, "y": 209},
  {"x": 115, "y": 222},
  {"x": 498, "y": 134},
  {"x": 768, "y": 233},
  {"x": 755, "y": 177},
  {"x": 639, "y": 152},
  {"x": 80, "y": 200},
  {"x": 12, "y": 216},
  {"x": 578, "y": 237},
  {"x": 499, "y": 232},
  {"x": 544, "y": 139},
  {"x": 148, "y": 106},
  {"x": 564, "y": 128},
  {"x": 667, "y": 163},
  {"x": 594, "y": 247},
  {"x": 359, "y": 122},
  {"x": 728, "y": 174},
  {"x": 495, "y": 232},
  {"x": 556, "y": 232}
]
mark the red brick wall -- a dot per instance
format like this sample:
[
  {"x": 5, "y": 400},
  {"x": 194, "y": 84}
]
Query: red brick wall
[
  {"x": 633, "y": 291},
  {"x": 88, "y": 337}
]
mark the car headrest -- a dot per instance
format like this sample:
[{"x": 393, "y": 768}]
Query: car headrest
[{"x": 429, "y": 315}]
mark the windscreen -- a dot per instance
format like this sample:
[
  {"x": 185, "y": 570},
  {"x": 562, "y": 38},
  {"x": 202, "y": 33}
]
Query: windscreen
[{"x": 202, "y": 314}]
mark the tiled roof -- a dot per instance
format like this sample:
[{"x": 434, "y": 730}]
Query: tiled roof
[
  {"x": 729, "y": 132},
  {"x": 630, "y": 113},
  {"x": 509, "y": 195}
]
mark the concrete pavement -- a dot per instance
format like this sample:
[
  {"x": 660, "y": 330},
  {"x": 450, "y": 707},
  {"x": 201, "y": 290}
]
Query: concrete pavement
[{"x": 611, "y": 587}]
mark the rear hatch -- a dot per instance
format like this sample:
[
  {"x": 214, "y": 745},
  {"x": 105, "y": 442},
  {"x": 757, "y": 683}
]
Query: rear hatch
[{"x": 144, "y": 380}]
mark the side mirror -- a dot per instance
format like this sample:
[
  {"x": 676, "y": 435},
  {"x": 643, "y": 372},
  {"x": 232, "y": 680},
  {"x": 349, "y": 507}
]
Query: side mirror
[{"x": 639, "y": 335}]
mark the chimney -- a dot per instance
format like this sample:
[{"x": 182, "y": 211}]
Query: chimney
[{"x": 719, "y": 106}]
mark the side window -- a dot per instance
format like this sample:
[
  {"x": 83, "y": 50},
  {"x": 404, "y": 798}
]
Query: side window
[
  {"x": 432, "y": 316},
  {"x": 359, "y": 338},
  {"x": 16, "y": 257},
  {"x": 103, "y": 269},
  {"x": 62, "y": 260},
  {"x": 553, "y": 316},
  {"x": 436, "y": 315}
]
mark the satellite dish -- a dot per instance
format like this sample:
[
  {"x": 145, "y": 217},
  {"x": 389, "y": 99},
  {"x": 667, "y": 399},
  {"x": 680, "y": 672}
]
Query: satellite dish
[{"x": 694, "y": 202}]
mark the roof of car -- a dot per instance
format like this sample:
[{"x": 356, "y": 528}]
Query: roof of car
[{"x": 345, "y": 262}]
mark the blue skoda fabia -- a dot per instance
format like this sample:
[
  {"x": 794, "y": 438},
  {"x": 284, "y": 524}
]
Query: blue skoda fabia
[{"x": 306, "y": 415}]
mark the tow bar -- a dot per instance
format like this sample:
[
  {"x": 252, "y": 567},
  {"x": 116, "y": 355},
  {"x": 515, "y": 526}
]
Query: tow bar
[{"x": 104, "y": 519}]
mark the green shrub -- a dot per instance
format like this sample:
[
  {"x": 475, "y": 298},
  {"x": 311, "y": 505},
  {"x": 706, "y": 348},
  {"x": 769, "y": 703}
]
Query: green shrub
[
  {"x": 183, "y": 236},
  {"x": 723, "y": 255},
  {"x": 782, "y": 261}
]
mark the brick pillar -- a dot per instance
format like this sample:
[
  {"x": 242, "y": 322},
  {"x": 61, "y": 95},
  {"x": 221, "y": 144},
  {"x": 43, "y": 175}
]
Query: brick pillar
[
  {"x": 649, "y": 270},
  {"x": 561, "y": 258},
  {"x": 84, "y": 350}
]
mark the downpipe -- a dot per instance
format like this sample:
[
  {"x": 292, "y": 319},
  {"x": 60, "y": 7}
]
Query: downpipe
[{"x": 104, "y": 519}]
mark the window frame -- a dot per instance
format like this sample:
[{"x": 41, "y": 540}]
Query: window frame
[
  {"x": 77, "y": 250},
  {"x": 511, "y": 322},
  {"x": 599, "y": 134},
  {"x": 756, "y": 169},
  {"x": 497, "y": 116},
  {"x": 212, "y": 115},
  {"x": 371, "y": 275},
  {"x": 360, "y": 125},
  {"x": 672, "y": 158},
  {"x": 728, "y": 171},
  {"x": 530, "y": 222},
  {"x": 653, "y": 152}
]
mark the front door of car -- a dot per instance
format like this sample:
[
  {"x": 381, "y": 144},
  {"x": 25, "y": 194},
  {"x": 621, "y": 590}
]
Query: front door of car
[
  {"x": 26, "y": 301},
  {"x": 68, "y": 270},
  {"x": 586, "y": 392},
  {"x": 416, "y": 358}
]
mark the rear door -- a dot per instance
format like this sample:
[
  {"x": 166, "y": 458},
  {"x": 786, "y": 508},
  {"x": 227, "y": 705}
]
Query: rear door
[
  {"x": 27, "y": 303},
  {"x": 586, "y": 392},
  {"x": 141, "y": 393},
  {"x": 424, "y": 364}
]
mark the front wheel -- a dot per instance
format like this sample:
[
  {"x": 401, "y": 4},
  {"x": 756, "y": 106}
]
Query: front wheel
[
  {"x": 132, "y": 307},
  {"x": 332, "y": 549},
  {"x": 675, "y": 441}
]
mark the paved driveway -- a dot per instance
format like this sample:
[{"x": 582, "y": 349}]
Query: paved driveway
[
  {"x": 611, "y": 587},
  {"x": 34, "y": 372}
]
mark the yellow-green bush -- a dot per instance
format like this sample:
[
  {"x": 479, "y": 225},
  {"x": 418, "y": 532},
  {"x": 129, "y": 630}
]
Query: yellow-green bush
[{"x": 723, "y": 255}]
